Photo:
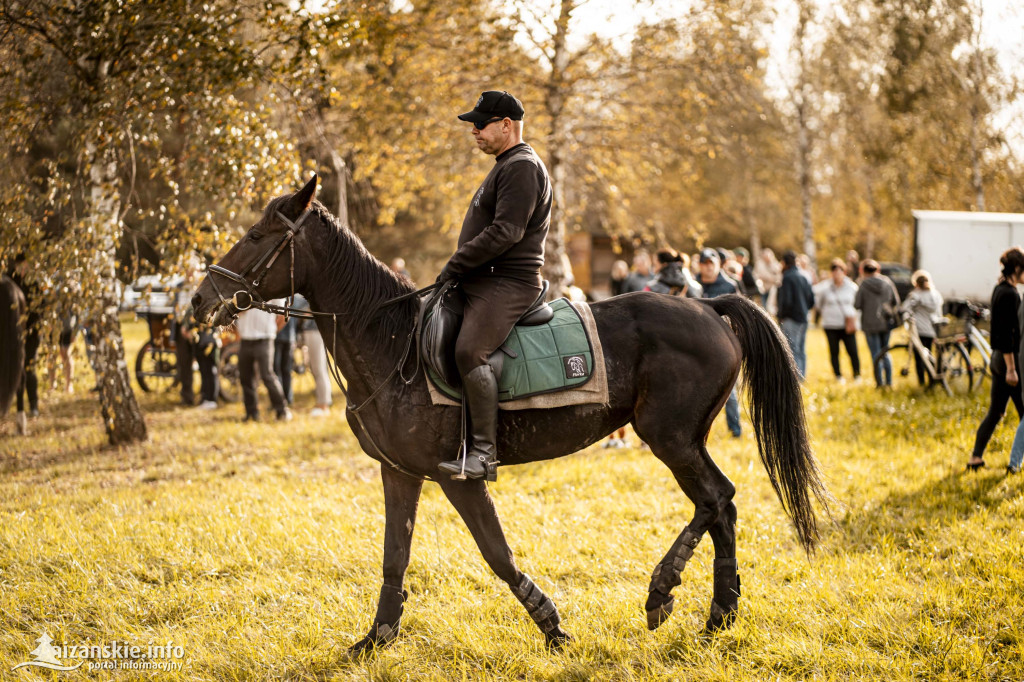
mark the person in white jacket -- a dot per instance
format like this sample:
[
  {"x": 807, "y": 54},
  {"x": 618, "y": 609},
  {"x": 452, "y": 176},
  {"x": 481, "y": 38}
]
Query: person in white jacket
[
  {"x": 833, "y": 297},
  {"x": 925, "y": 304}
]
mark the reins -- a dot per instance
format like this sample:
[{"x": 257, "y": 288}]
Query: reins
[{"x": 244, "y": 300}]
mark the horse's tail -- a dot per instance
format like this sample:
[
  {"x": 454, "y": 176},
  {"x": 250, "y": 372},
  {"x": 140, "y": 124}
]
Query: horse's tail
[
  {"x": 12, "y": 361},
  {"x": 777, "y": 412}
]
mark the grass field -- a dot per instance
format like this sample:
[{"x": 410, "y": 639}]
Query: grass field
[{"x": 256, "y": 549}]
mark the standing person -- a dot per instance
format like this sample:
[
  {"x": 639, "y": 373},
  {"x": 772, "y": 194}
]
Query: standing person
[
  {"x": 853, "y": 265},
  {"x": 794, "y": 299},
  {"x": 398, "y": 267},
  {"x": 715, "y": 283},
  {"x": 833, "y": 297},
  {"x": 768, "y": 271},
  {"x": 877, "y": 302},
  {"x": 803, "y": 266},
  {"x": 29, "y": 385},
  {"x": 317, "y": 361},
  {"x": 641, "y": 274},
  {"x": 68, "y": 329},
  {"x": 1005, "y": 340},
  {"x": 1017, "y": 449},
  {"x": 257, "y": 330},
  {"x": 620, "y": 271},
  {"x": 284, "y": 354},
  {"x": 925, "y": 304},
  {"x": 497, "y": 266},
  {"x": 752, "y": 287},
  {"x": 672, "y": 275}
]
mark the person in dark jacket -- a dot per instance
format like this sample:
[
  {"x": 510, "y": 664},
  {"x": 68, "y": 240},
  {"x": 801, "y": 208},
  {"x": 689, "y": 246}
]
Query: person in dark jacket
[
  {"x": 715, "y": 284},
  {"x": 641, "y": 275},
  {"x": 1005, "y": 340},
  {"x": 673, "y": 276},
  {"x": 794, "y": 299},
  {"x": 877, "y": 302},
  {"x": 497, "y": 266},
  {"x": 752, "y": 286}
]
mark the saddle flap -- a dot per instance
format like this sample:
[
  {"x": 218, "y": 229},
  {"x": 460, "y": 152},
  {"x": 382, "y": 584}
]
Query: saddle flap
[{"x": 442, "y": 318}]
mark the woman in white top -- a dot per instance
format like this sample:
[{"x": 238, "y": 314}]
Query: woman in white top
[
  {"x": 925, "y": 304},
  {"x": 834, "y": 298}
]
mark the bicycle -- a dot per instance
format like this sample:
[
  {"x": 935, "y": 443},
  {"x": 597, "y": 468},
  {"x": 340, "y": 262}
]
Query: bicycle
[
  {"x": 947, "y": 363},
  {"x": 977, "y": 342}
]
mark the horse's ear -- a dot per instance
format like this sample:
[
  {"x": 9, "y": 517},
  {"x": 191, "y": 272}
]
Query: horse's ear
[{"x": 301, "y": 200}]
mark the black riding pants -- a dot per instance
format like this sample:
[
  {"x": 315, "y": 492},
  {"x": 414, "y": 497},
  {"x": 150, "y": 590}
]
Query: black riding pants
[
  {"x": 1002, "y": 393},
  {"x": 493, "y": 304}
]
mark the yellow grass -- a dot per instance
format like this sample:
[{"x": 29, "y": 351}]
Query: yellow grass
[{"x": 257, "y": 549}]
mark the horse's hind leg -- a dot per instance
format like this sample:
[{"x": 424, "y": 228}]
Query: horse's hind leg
[
  {"x": 474, "y": 504},
  {"x": 727, "y": 580},
  {"x": 711, "y": 493}
]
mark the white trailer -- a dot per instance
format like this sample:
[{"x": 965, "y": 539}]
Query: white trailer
[{"x": 961, "y": 249}]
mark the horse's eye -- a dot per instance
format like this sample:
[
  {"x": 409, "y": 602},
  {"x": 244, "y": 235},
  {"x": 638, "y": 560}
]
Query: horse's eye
[{"x": 255, "y": 236}]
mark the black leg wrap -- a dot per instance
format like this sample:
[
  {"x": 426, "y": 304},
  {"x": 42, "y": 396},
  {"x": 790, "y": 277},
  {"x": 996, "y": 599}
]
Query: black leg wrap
[
  {"x": 727, "y": 593},
  {"x": 541, "y": 609},
  {"x": 386, "y": 623},
  {"x": 666, "y": 576}
]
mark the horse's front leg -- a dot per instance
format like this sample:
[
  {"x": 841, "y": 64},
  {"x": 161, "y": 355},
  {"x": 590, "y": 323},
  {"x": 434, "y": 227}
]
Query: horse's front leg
[
  {"x": 401, "y": 498},
  {"x": 472, "y": 501}
]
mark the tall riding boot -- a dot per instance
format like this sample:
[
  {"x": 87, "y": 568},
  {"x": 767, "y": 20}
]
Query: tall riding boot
[{"x": 480, "y": 391}]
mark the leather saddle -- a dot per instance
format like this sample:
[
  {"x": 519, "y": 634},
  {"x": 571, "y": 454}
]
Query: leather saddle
[{"x": 442, "y": 319}]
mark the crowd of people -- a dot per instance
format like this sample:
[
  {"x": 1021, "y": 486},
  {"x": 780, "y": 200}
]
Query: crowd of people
[{"x": 851, "y": 296}]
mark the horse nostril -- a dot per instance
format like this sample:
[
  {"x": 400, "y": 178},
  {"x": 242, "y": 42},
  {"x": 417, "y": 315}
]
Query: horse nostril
[{"x": 196, "y": 301}]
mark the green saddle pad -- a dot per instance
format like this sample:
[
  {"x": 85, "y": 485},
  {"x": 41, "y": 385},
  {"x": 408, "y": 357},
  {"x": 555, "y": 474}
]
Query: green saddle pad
[{"x": 548, "y": 357}]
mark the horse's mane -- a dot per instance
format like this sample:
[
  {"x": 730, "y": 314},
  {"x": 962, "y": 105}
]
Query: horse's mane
[{"x": 354, "y": 280}]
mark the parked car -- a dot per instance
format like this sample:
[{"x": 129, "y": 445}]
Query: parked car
[
  {"x": 151, "y": 292},
  {"x": 900, "y": 276}
]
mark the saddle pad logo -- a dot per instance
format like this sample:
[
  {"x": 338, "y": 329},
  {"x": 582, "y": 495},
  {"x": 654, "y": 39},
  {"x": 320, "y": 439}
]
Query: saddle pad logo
[{"x": 575, "y": 366}]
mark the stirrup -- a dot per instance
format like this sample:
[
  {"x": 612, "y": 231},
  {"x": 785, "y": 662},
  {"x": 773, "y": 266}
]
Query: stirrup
[{"x": 490, "y": 472}]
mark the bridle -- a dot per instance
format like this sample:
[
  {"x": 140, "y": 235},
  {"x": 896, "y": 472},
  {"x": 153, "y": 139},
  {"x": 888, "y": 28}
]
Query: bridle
[{"x": 250, "y": 298}]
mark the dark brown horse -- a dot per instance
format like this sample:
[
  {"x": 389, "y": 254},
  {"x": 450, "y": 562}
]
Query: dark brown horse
[{"x": 671, "y": 363}]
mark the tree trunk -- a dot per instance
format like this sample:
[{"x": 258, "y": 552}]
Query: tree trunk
[
  {"x": 976, "y": 180},
  {"x": 122, "y": 417},
  {"x": 557, "y": 269},
  {"x": 804, "y": 138}
]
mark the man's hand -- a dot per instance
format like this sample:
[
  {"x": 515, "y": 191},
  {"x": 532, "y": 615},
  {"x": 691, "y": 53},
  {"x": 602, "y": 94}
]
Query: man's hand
[{"x": 446, "y": 275}]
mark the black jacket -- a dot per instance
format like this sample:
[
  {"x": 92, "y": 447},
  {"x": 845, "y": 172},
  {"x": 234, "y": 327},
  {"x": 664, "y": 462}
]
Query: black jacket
[
  {"x": 507, "y": 222},
  {"x": 1005, "y": 330},
  {"x": 795, "y": 296}
]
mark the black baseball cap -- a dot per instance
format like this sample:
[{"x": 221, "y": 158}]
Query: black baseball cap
[
  {"x": 495, "y": 103},
  {"x": 708, "y": 255}
]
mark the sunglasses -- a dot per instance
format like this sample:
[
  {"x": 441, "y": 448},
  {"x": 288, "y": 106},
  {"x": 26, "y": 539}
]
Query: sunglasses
[{"x": 480, "y": 125}]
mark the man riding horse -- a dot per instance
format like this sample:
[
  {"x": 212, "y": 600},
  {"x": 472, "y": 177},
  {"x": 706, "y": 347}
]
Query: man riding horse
[{"x": 497, "y": 265}]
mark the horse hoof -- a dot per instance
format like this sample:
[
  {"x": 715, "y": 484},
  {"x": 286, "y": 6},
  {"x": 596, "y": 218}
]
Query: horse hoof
[
  {"x": 378, "y": 637},
  {"x": 719, "y": 620},
  {"x": 556, "y": 640},
  {"x": 659, "y": 614}
]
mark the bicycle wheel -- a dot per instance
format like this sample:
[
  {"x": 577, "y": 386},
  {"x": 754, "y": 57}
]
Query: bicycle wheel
[
  {"x": 955, "y": 368},
  {"x": 901, "y": 356},
  {"x": 155, "y": 369},
  {"x": 978, "y": 364},
  {"x": 230, "y": 383}
]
